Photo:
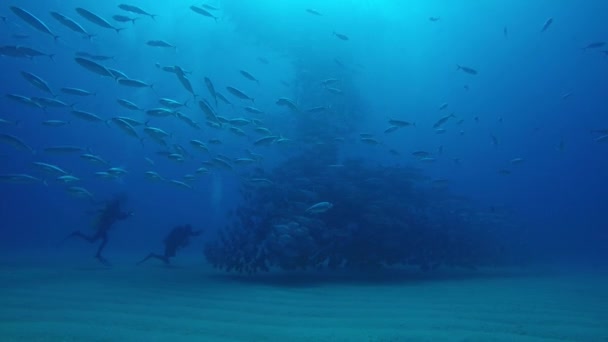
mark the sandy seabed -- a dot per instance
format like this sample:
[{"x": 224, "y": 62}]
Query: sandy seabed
[{"x": 81, "y": 301}]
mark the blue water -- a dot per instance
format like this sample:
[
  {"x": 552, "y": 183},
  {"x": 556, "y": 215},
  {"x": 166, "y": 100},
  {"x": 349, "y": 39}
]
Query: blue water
[{"x": 539, "y": 94}]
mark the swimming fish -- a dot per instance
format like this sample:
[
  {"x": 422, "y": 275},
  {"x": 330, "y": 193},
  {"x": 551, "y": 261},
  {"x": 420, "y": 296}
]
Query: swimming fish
[
  {"x": 76, "y": 91},
  {"x": 341, "y": 36},
  {"x": 546, "y": 25},
  {"x": 136, "y": 10},
  {"x": 71, "y": 24},
  {"x": 203, "y": 12},
  {"x": 467, "y": 70},
  {"x": 94, "y": 67},
  {"x": 30, "y": 19},
  {"x": 124, "y": 18},
  {"x": 320, "y": 207},
  {"x": 239, "y": 94},
  {"x": 97, "y": 20},
  {"x": 249, "y": 76}
]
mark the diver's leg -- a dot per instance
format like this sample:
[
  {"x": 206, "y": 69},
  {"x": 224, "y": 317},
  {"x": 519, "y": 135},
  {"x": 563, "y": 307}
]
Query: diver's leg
[
  {"x": 104, "y": 241},
  {"x": 155, "y": 256},
  {"x": 80, "y": 235}
]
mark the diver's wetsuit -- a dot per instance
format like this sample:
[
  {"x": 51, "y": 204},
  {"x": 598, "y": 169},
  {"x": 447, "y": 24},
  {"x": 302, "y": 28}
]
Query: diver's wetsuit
[
  {"x": 178, "y": 237},
  {"x": 107, "y": 217}
]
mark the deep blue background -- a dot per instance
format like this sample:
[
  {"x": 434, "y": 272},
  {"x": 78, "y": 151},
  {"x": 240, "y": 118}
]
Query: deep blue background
[{"x": 402, "y": 66}]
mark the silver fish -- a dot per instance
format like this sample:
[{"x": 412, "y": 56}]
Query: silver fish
[{"x": 33, "y": 21}]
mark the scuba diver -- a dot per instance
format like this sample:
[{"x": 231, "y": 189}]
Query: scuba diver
[
  {"x": 177, "y": 238},
  {"x": 106, "y": 217}
]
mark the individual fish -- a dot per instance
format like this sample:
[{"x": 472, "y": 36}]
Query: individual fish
[
  {"x": 97, "y": 20},
  {"x": 71, "y": 24},
  {"x": 50, "y": 168},
  {"x": 124, "y": 18},
  {"x": 160, "y": 43},
  {"x": 443, "y": 106},
  {"x": 93, "y": 158},
  {"x": 20, "y": 35},
  {"x": 117, "y": 74},
  {"x": 76, "y": 91},
  {"x": 170, "y": 103},
  {"x": 186, "y": 83},
  {"x": 341, "y": 36},
  {"x": 46, "y": 102},
  {"x": 283, "y": 101},
  {"x": 319, "y": 208},
  {"x": 223, "y": 98},
  {"x": 15, "y": 142},
  {"x": 126, "y": 127},
  {"x": 318, "y": 109},
  {"x": 31, "y": 52},
  {"x": 134, "y": 83},
  {"x": 86, "y": 116},
  {"x": 329, "y": 81},
  {"x": 160, "y": 112},
  {"x": 200, "y": 145},
  {"x": 467, "y": 70},
  {"x": 221, "y": 162},
  {"x": 156, "y": 132},
  {"x": 55, "y": 123},
  {"x": 153, "y": 175},
  {"x": 601, "y": 138},
  {"x": 130, "y": 121},
  {"x": 313, "y": 12},
  {"x": 505, "y": 32},
  {"x": 391, "y": 129},
  {"x": 335, "y": 90},
  {"x": 266, "y": 140},
  {"x": 117, "y": 171},
  {"x": 203, "y": 12},
  {"x": 253, "y": 110},
  {"x": 20, "y": 178},
  {"x": 237, "y": 131},
  {"x": 187, "y": 120},
  {"x": 60, "y": 149},
  {"x": 12, "y": 51},
  {"x": 79, "y": 192},
  {"x": 9, "y": 122},
  {"x": 211, "y": 89},
  {"x": 128, "y": 104},
  {"x": 370, "y": 141},
  {"x": 239, "y": 94},
  {"x": 440, "y": 131},
  {"x": 93, "y": 67},
  {"x": 67, "y": 179},
  {"x": 546, "y": 25},
  {"x": 494, "y": 140},
  {"x": 209, "y": 112},
  {"x": 202, "y": 170},
  {"x": 249, "y": 76},
  {"x": 594, "y": 45},
  {"x": 136, "y": 10},
  {"x": 421, "y": 154},
  {"x": 245, "y": 161},
  {"x": 180, "y": 184},
  {"x": 400, "y": 123},
  {"x": 23, "y": 99},
  {"x": 31, "y": 20},
  {"x": 262, "y": 130},
  {"x": 443, "y": 120},
  {"x": 37, "y": 82},
  {"x": 516, "y": 161},
  {"x": 434, "y": 19},
  {"x": 94, "y": 57}
]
